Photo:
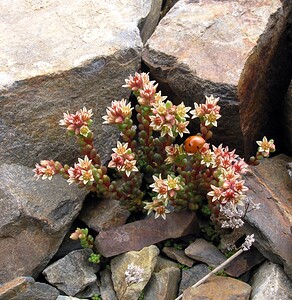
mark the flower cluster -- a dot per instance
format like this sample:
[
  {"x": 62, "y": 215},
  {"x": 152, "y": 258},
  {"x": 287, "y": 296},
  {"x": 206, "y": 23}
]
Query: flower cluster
[
  {"x": 208, "y": 112},
  {"x": 123, "y": 159},
  {"x": 82, "y": 172},
  {"x": 133, "y": 274},
  {"x": 249, "y": 240},
  {"x": 166, "y": 190},
  {"x": 118, "y": 112},
  {"x": 169, "y": 119},
  {"x": 177, "y": 176},
  {"x": 46, "y": 169},
  {"x": 78, "y": 123}
]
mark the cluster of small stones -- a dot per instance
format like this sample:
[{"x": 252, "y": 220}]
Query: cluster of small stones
[{"x": 79, "y": 55}]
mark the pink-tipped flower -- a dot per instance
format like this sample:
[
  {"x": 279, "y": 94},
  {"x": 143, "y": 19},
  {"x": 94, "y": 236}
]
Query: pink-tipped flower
[
  {"x": 159, "y": 186},
  {"x": 123, "y": 159},
  {"x": 129, "y": 166},
  {"x": 82, "y": 172},
  {"x": 265, "y": 147},
  {"x": 147, "y": 94},
  {"x": 230, "y": 190},
  {"x": 45, "y": 170},
  {"x": 74, "y": 122},
  {"x": 207, "y": 112},
  {"x": 137, "y": 82},
  {"x": 117, "y": 113}
]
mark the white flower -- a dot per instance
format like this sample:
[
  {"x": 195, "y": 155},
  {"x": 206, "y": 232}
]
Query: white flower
[
  {"x": 248, "y": 242},
  {"x": 133, "y": 274}
]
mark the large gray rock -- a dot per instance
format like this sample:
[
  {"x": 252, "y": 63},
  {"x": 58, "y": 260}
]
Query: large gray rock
[
  {"x": 270, "y": 186},
  {"x": 35, "y": 216},
  {"x": 22, "y": 288},
  {"x": 72, "y": 273},
  {"x": 200, "y": 48},
  {"x": 59, "y": 56},
  {"x": 270, "y": 282},
  {"x": 106, "y": 285}
]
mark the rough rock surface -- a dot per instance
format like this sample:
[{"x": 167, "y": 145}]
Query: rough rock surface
[
  {"x": 143, "y": 233},
  {"x": 103, "y": 214},
  {"x": 270, "y": 282},
  {"x": 106, "y": 286},
  {"x": 270, "y": 185},
  {"x": 206, "y": 252},
  {"x": 219, "y": 288},
  {"x": 145, "y": 259},
  {"x": 35, "y": 216},
  {"x": 72, "y": 273},
  {"x": 178, "y": 255},
  {"x": 286, "y": 122},
  {"x": 207, "y": 45},
  {"x": 191, "y": 276},
  {"x": 163, "y": 284},
  {"x": 265, "y": 80},
  {"x": 59, "y": 56},
  {"x": 22, "y": 288},
  {"x": 244, "y": 262}
]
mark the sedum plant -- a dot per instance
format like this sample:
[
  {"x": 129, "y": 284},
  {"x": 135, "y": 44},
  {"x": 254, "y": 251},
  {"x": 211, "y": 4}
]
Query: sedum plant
[{"x": 152, "y": 171}]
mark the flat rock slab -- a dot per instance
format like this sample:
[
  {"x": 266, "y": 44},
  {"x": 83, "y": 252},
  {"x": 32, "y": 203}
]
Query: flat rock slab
[
  {"x": 22, "y": 288},
  {"x": 59, "y": 56},
  {"x": 35, "y": 216},
  {"x": 200, "y": 48},
  {"x": 139, "y": 234},
  {"x": 269, "y": 185},
  {"x": 219, "y": 288}
]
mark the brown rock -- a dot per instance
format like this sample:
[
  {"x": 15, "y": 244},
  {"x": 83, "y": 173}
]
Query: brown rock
[
  {"x": 59, "y": 56},
  {"x": 207, "y": 45},
  {"x": 270, "y": 185},
  {"x": 203, "y": 251},
  {"x": 244, "y": 262},
  {"x": 264, "y": 82},
  {"x": 35, "y": 216},
  {"x": 178, "y": 255},
  {"x": 219, "y": 288},
  {"x": 286, "y": 122},
  {"x": 139, "y": 234},
  {"x": 22, "y": 288},
  {"x": 103, "y": 214}
]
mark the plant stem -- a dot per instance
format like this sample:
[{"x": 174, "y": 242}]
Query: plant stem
[{"x": 224, "y": 264}]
